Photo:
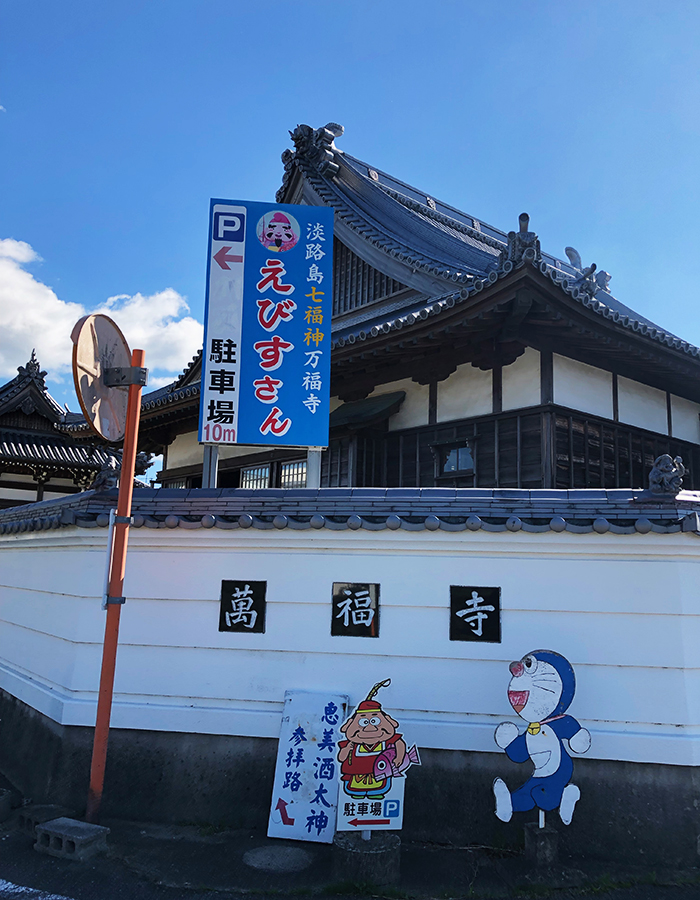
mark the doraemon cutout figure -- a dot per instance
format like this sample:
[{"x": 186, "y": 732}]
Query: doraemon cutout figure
[{"x": 540, "y": 691}]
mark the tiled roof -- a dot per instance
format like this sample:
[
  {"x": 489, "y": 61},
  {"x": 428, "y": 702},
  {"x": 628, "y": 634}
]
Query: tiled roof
[
  {"x": 430, "y": 236},
  {"x": 39, "y": 448},
  {"x": 466, "y": 510}
]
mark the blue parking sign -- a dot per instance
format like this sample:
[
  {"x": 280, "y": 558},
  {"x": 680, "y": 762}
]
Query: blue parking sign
[{"x": 267, "y": 339}]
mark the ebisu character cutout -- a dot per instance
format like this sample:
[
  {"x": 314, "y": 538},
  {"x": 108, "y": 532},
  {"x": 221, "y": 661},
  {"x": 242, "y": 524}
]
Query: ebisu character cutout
[
  {"x": 374, "y": 752},
  {"x": 540, "y": 691},
  {"x": 278, "y": 231}
]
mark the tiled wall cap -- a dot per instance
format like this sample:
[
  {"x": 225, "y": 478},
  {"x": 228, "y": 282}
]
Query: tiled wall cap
[
  {"x": 473, "y": 523},
  {"x": 317, "y": 521},
  {"x": 432, "y": 523},
  {"x": 354, "y": 522},
  {"x": 245, "y": 521},
  {"x": 208, "y": 521},
  {"x": 557, "y": 523},
  {"x": 103, "y": 520},
  {"x": 172, "y": 521},
  {"x": 643, "y": 525},
  {"x": 601, "y": 525},
  {"x": 393, "y": 522},
  {"x": 280, "y": 521},
  {"x": 514, "y": 524}
]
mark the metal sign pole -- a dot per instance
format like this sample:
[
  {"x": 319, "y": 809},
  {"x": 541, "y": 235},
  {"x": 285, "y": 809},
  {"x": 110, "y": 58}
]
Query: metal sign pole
[{"x": 115, "y": 596}]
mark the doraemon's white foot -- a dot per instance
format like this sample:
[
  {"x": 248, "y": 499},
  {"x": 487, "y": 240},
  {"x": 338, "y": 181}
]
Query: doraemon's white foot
[
  {"x": 568, "y": 801},
  {"x": 504, "y": 805}
]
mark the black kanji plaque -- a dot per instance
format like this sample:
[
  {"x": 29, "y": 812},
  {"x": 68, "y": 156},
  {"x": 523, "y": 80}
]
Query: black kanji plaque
[
  {"x": 355, "y": 609},
  {"x": 242, "y": 606},
  {"x": 475, "y": 614}
]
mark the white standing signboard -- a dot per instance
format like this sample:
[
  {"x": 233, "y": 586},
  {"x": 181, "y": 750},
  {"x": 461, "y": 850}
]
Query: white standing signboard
[{"x": 305, "y": 791}]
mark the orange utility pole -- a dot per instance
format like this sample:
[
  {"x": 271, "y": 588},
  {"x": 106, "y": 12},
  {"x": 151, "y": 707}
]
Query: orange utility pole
[{"x": 115, "y": 596}]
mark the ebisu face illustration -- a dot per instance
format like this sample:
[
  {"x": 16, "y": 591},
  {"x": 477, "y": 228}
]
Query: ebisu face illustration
[
  {"x": 278, "y": 231},
  {"x": 370, "y": 728},
  {"x": 535, "y": 689}
]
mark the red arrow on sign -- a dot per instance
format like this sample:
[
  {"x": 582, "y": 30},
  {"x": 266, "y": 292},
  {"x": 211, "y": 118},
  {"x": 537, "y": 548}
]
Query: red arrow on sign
[
  {"x": 282, "y": 804},
  {"x": 357, "y": 822},
  {"x": 223, "y": 258}
]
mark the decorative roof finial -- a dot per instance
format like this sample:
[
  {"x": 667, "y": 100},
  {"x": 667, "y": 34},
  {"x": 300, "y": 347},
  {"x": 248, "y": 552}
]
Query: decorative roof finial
[
  {"x": 586, "y": 281},
  {"x": 313, "y": 148},
  {"x": 666, "y": 476},
  {"x": 523, "y": 246},
  {"x": 32, "y": 370}
]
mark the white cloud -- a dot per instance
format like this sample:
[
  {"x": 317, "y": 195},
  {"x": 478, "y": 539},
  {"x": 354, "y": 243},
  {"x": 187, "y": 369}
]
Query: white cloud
[
  {"x": 158, "y": 324},
  {"x": 33, "y": 316}
]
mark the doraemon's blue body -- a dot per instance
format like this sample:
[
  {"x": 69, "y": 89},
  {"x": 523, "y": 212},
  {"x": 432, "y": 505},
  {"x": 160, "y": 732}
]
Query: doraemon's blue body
[{"x": 540, "y": 691}]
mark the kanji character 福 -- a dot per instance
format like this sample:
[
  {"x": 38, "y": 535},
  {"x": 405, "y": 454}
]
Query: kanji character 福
[
  {"x": 270, "y": 314},
  {"x": 267, "y": 388},
  {"x": 272, "y": 273},
  {"x": 274, "y": 424},
  {"x": 271, "y": 352},
  {"x": 312, "y": 381},
  {"x": 313, "y": 315}
]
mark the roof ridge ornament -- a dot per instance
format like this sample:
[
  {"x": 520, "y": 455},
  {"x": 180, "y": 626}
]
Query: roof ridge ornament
[
  {"x": 313, "y": 147},
  {"x": 32, "y": 370},
  {"x": 587, "y": 282},
  {"x": 666, "y": 476},
  {"x": 523, "y": 246}
]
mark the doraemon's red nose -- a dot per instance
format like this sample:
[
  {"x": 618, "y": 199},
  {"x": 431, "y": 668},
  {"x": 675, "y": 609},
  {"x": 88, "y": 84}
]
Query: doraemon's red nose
[{"x": 516, "y": 669}]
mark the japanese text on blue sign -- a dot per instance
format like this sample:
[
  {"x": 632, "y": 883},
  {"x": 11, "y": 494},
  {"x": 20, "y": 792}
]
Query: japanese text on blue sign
[{"x": 266, "y": 360}]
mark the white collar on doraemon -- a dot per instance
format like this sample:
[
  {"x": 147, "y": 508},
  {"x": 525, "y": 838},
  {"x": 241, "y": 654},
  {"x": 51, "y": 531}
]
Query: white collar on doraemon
[{"x": 542, "y": 687}]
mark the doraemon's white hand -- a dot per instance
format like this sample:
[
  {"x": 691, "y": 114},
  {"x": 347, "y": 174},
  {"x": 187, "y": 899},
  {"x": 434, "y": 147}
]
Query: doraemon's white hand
[
  {"x": 505, "y": 734},
  {"x": 581, "y": 741}
]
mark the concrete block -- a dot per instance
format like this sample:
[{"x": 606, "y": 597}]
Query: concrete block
[
  {"x": 28, "y": 817},
  {"x": 541, "y": 845},
  {"x": 376, "y": 862},
  {"x": 70, "y": 838}
]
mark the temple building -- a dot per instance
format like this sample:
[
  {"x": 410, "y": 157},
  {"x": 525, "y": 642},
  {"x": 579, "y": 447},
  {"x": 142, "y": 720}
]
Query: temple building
[
  {"x": 37, "y": 461},
  {"x": 463, "y": 356},
  {"x": 497, "y": 416}
]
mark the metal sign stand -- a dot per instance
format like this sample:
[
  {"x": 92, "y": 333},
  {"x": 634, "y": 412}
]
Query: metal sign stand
[{"x": 115, "y": 598}]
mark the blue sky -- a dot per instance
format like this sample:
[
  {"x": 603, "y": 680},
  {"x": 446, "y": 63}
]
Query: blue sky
[{"x": 121, "y": 120}]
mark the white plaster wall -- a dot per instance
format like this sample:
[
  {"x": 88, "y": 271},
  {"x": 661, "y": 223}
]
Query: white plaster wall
[
  {"x": 414, "y": 409},
  {"x": 623, "y": 608},
  {"x": 685, "y": 419},
  {"x": 8, "y": 493},
  {"x": 185, "y": 450},
  {"x": 521, "y": 381},
  {"x": 641, "y": 405},
  {"x": 583, "y": 387},
  {"x": 467, "y": 392}
]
